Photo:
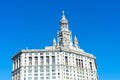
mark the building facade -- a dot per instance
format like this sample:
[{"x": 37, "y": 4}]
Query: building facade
[{"x": 64, "y": 60}]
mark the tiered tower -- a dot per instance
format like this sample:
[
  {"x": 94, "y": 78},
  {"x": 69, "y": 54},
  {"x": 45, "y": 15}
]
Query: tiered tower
[{"x": 64, "y": 35}]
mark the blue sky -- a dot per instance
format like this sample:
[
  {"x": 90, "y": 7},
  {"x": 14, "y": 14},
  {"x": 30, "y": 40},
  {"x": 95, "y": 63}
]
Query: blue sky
[{"x": 34, "y": 23}]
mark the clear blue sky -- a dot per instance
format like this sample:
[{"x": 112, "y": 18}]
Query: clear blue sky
[{"x": 34, "y": 23}]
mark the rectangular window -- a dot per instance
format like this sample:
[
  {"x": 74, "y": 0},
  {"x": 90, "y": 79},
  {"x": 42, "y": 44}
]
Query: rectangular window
[
  {"x": 41, "y": 74},
  {"x": 53, "y": 54},
  {"x": 47, "y": 53},
  {"x": 53, "y": 77},
  {"x": 30, "y": 54},
  {"x": 35, "y": 74},
  {"x": 76, "y": 62},
  {"x": 41, "y": 70},
  {"x": 29, "y": 78},
  {"x": 41, "y": 67},
  {"x": 90, "y": 65},
  {"x": 82, "y": 63},
  {"x": 35, "y": 78},
  {"x": 30, "y": 60},
  {"x": 47, "y": 69},
  {"x": 14, "y": 65},
  {"x": 36, "y": 60},
  {"x": 66, "y": 60},
  {"x": 67, "y": 70},
  {"x": 47, "y": 60},
  {"x": 47, "y": 78},
  {"x": 79, "y": 62},
  {"x": 53, "y": 73},
  {"x": 30, "y": 63},
  {"x": 29, "y": 74},
  {"x": 36, "y": 71},
  {"x": 35, "y": 53},
  {"x": 53, "y": 70},
  {"x": 30, "y": 67},
  {"x": 41, "y": 78},
  {"x": 36, "y": 68},
  {"x": 53, "y": 60},
  {"x": 29, "y": 71},
  {"x": 19, "y": 62},
  {"x": 41, "y": 60},
  {"x": 41, "y": 53},
  {"x": 47, "y": 74}
]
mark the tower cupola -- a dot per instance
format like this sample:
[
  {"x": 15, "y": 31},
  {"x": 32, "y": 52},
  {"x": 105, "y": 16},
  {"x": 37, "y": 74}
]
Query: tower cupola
[{"x": 63, "y": 23}]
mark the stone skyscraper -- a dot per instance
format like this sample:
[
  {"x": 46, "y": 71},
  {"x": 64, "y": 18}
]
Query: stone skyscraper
[{"x": 64, "y": 60}]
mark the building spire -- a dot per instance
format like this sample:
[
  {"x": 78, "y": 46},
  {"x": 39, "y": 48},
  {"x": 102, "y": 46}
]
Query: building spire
[
  {"x": 75, "y": 42},
  {"x": 62, "y": 12},
  {"x": 63, "y": 15},
  {"x": 54, "y": 42},
  {"x": 76, "y": 38}
]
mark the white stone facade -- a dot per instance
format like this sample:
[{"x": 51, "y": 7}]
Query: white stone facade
[{"x": 62, "y": 61}]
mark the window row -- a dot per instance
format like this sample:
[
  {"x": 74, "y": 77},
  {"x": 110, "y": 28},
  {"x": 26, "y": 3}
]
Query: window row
[{"x": 41, "y": 60}]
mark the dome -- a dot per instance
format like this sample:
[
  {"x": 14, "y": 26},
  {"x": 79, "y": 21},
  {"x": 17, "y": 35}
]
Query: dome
[{"x": 63, "y": 21}]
